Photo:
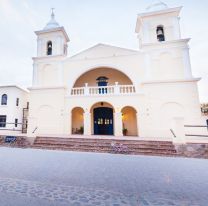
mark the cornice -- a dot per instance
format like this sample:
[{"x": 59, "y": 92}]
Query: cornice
[
  {"x": 171, "y": 81},
  {"x": 51, "y": 58},
  {"x": 46, "y": 88},
  {"x": 53, "y": 30},
  {"x": 166, "y": 44}
]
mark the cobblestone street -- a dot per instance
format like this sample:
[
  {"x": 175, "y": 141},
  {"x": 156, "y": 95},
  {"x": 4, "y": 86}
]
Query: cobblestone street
[{"x": 40, "y": 177}]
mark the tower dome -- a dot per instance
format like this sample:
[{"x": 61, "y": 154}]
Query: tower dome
[
  {"x": 52, "y": 23},
  {"x": 157, "y": 6}
]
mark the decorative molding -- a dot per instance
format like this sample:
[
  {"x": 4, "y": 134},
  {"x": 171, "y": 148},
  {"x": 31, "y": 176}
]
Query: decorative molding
[
  {"x": 46, "y": 88},
  {"x": 53, "y": 30},
  {"x": 172, "y": 81},
  {"x": 51, "y": 58},
  {"x": 14, "y": 86}
]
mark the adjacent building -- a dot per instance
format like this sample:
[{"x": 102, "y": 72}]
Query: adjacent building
[{"x": 13, "y": 109}]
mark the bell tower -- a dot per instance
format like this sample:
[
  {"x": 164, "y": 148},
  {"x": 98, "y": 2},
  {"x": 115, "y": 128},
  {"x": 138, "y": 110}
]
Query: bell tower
[
  {"x": 51, "y": 51},
  {"x": 166, "y": 53},
  {"x": 158, "y": 24},
  {"x": 52, "y": 40}
]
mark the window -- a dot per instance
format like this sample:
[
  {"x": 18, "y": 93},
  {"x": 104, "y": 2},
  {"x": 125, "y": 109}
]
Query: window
[
  {"x": 4, "y": 99},
  {"x": 160, "y": 33},
  {"x": 27, "y": 105},
  {"x": 49, "y": 48},
  {"x": 16, "y": 122},
  {"x": 17, "y": 102},
  {"x": 65, "y": 49},
  {"x": 102, "y": 81},
  {"x": 2, "y": 120}
]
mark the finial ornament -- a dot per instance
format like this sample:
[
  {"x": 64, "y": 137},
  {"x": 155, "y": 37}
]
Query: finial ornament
[
  {"x": 52, "y": 13},
  {"x": 52, "y": 23}
]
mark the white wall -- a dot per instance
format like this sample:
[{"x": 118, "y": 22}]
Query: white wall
[{"x": 11, "y": 110}]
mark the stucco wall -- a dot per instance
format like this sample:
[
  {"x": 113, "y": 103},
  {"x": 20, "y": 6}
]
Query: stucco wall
[
  {"x": 11, "y": 110},
  {"x": 46, "y": 111}
]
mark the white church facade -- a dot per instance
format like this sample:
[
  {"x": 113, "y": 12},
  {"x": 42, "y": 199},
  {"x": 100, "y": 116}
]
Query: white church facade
[{"x": 108, "y": 90}]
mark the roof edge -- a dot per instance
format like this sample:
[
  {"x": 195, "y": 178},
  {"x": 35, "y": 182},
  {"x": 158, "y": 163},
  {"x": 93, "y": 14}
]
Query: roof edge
[
  {"x": 14, "y": 86},
  {"x": 53, "y": 30},
  {"x": 102, "y": 44}
]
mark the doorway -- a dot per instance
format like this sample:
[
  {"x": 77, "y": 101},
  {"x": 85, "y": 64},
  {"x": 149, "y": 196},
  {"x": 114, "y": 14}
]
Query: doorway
[{"x": 103, "y": 121}]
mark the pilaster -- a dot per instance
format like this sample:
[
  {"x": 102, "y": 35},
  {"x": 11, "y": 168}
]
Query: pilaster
[
  {"x": 118, "y": 127},
  {"x": 87, "y": 123}
]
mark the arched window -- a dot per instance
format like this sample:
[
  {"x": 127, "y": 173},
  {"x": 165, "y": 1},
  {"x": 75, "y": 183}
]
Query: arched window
[
  {"x": 4, "y": 99},
  {"x": 49, "y": 48},
  {"x": 160, "y": 33},
  {"x": 102, "y": 81}
]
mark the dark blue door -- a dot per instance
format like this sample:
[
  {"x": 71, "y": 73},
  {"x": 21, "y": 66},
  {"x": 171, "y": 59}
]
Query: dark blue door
[{"x": 103, "y": 121}]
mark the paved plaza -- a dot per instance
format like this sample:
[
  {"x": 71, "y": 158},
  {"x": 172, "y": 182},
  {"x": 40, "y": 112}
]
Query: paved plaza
[{"x": 40, "y": 177}]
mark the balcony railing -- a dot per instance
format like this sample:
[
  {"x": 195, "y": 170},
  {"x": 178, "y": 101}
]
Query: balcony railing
[{"x": 105, "y": 90}]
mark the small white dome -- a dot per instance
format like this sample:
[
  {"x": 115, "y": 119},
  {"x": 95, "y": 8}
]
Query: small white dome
[
  {"x": 157, "y": 6},
  {"x": 52, "y": 23}
]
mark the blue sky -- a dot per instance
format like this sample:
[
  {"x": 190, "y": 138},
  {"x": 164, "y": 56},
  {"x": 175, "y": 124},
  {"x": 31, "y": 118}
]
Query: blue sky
[{"x": 87, "y": 23}]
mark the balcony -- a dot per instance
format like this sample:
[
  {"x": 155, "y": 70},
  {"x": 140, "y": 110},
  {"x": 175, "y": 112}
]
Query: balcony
[{"x": 103, "y": 90}]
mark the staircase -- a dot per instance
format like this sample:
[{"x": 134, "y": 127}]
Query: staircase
[{"x": 88, "y": 144}]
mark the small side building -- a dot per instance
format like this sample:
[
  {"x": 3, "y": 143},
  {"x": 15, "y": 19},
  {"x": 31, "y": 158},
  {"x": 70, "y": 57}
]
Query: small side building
[{"x": 13, "y": 109}]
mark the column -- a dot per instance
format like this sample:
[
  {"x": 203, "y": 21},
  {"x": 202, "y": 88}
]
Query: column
[
  {"x": 147, "y": 66},
  {"x": 116, "y": 88},
  {"x": 35, "y": 75},
  {"x": 143, "y": 123},
  {"x": 145, "y": 33},
  {"x": 118, "y": 125},
  {"x": 60, "y": 75},
  {"x": 87, "y": 123},
  {"x": 86, "y": 89},
  {"x": 176, "y": 28},
  {"x": 187, "y": 63},
  {"x": 67, "y": 118},
  {"x": 137, "y": 119},
  {"x": 39, "y": 47}
]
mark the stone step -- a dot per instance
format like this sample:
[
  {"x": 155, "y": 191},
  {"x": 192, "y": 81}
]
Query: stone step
[
  {"x": 108, "y": 149},
  {"x": 97, "y": 147},
  {"x": 86, "y": 138},
  {"x": 105, "y": 145},
  {"x": 65, "y": 140},
  {"x": 144, "y": 152},
  {"x": 97, "y": 144}
]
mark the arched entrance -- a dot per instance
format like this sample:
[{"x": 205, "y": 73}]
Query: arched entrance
[
  {"x": 102, "y": 119},
  {"x": 77, "y": 120},
  {"x": 129, "y": 121}
]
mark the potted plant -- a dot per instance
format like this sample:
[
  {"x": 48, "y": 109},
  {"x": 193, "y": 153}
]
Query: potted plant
[
  {"x": 125, "y": 131},
  {"x": 81, "y": 130}
]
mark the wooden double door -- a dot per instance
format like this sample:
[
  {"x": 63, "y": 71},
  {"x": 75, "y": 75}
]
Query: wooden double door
[{"x": 103, "y": 121}]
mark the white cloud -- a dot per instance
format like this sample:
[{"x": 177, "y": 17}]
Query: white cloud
[{"x": 9, "y": 12}]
